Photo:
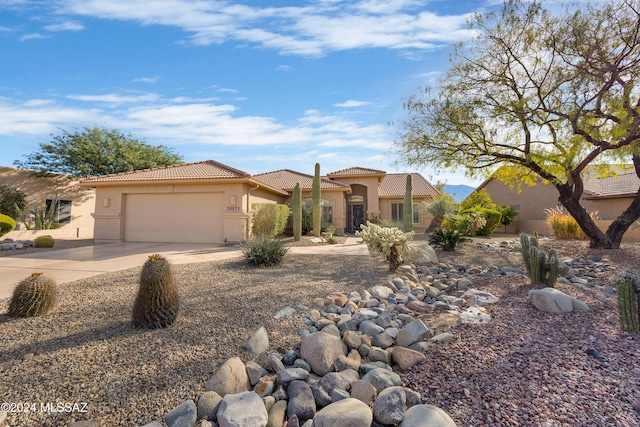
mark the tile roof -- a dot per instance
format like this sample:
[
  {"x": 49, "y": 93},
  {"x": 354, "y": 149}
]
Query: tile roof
[
  {"x": 286, "y": 179},
  {"x": 394, "y": 184},
  {"x": 626, "y": 184},
  {"x": 208, "y": 169},
  {"x": 356, "y": 171}
]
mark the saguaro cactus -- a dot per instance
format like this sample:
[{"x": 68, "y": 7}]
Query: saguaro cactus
[
  {"x": 317, "y": 209},
  {"x": 407, "y": 209},
  {"x": 296, "y": 206},
  {"x": 629, "y": 301},
  {"x": 157, "y": 303},
  {"x": 542, "y": 268}
]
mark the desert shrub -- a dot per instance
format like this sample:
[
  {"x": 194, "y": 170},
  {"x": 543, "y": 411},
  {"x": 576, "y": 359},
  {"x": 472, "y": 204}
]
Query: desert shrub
[
  {"x": 34, "y": 296},
  {"x": 474, "y": 223},
  {"x": 564, "y": 226},
  {"x": 477, "y": 199},
  {"x": 263, "y": 251},
  {"x": 157, "y": 302},
  {"x": 508, "y": 213},
  {"x": 447, "y": 239},
  {"x": 492, "y": 217},
  {"x": 390, "y": 242},
  {"x": 440, "y": 208},
  {"x": 269, "y": 219},
  {"x": 44, "y": 242},
  {"x": 7, "y": 224}
]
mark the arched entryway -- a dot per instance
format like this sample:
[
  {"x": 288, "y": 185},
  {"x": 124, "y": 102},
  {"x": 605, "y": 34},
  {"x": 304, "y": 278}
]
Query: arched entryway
[{"x": 356, "y": 207}]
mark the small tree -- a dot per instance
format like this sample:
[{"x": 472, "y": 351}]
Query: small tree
[{"x": 12, "y": 200}]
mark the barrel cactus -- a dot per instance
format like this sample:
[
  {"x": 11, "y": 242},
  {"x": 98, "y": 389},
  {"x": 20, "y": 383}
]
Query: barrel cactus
[
  {"x": 44, "y": 242},
  {"x": 34, "y": 296},
  {"x": 543, "y": 268},
  {"x": 629, "y": 301},
  {"x": 157, "y": 302}
]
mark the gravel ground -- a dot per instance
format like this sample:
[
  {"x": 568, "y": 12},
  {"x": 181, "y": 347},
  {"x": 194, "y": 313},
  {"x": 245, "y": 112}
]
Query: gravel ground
[
  {"x": 60, "y": 244},
  {"x": 524, "y": 368}
]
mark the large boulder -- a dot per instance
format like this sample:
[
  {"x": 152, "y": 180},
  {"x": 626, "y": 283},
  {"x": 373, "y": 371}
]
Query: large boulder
[
  {"x": 422, "y": 254},
  {"x": 551, "y": 300},
  {"x": 321, "y": 351}
]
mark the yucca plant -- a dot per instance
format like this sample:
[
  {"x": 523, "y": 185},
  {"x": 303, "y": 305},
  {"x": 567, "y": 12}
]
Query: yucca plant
[
  {"x": 34, "y": 296},
  {"x": 157, "y": 302},
  {"x": 264, "y": 252}
]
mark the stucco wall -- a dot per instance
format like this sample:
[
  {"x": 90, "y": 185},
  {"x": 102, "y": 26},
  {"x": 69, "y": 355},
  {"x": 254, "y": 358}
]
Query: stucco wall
[{"x": 425, "y": 219}]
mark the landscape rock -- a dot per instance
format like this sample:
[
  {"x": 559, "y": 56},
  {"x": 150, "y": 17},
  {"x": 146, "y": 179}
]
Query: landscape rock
[
  {"x": 321, "y": 350},
  {"x": 258, "y": 342},
  {"x": 382, "y": 378},
  {"x": 241, "y": 410},
  {"x": 406, "y": 358},
  {"x": 411, "y": 333},
  {"x": 208, "y": 405},
  {"x": 551, "y": 300},
  {"x": 426, "y": 416},
  {"x": 390, "y": 406},
  {"x": 277, "y": 414},
  {"x": 301, "y": 401},
  {"x": 422, "y": 254},
  {"x": 231, "y": 378},
  {"x": 363, "y": 391},
  {"x": 333, "y": 380},
  {"x": 184, "y": 415},
  {"x": 475, "y": 315},
  {"x": 344, "y": 413}
]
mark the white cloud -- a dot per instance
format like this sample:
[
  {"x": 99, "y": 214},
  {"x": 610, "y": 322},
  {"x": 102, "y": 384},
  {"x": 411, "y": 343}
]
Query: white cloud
[
  {"x": 309, "y": 30},
  {"x": 38, "y": 117},
  {"x": 33, "y": 36},
  {"x": 65, "y": 26},
  {"x": 284, "y": 68},
  {"x": 153, "y": 79},
  {"x": 351, "y": 103},
  {"x": 116, "y": 99}
]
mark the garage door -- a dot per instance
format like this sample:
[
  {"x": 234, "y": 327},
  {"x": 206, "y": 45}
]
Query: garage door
[{"x": 175, "y": 217}]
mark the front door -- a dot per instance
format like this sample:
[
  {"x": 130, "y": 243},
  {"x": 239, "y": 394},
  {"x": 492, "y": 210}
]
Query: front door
[{"x": 355, "y": 216}]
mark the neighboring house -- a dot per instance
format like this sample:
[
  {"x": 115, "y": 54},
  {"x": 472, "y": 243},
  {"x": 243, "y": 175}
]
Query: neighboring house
[
  {"x": 74, "y": 205},
  {"x": 210, "y": 202},
  {"x": 607, "y": 196}
]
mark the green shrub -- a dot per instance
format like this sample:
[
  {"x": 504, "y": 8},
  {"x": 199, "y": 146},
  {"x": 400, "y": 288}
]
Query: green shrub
[
  {"x": 263, "y": 251},
  {"x": 44, "y": 242},
  {"x": 34, "y": 296},
  {"x": 157, "y": 302},
  {"x": 477, "y": 199},
  {"x": 492, "y": 217},
  {"x": 12, "y": 200},
  {"x": 390, "y": 242},
  {"x": 269, "y": 219},
  {"x": 508, "y": 214},
  {"x": 447, "y": 239},
  {"x": 7, "y": 224}
]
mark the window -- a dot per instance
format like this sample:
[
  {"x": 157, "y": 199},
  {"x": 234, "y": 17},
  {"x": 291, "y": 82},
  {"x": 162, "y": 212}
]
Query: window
[
  {"x": 397, "y": 210},
  {"x": 62, "y": 213},
  {"x": 327, "y": 208}
]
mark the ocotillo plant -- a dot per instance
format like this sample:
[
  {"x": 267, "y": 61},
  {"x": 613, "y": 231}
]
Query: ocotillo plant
[
  {"x": 542, "y": 268},
  {"x": 629, "y": 301},
  {"x": 315, "y": 194},
  {"x": 34, "y": 296},
  {"x": 407, "y": 209},
  {"x": 157, "y": 303},
  {"x": 296, "y": 206}
]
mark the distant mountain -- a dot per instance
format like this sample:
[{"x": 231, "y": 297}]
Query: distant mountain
[{"x": 458, "y": 192}]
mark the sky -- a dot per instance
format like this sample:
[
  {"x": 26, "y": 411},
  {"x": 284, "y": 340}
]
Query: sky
[{"x": 257, "y": 85}]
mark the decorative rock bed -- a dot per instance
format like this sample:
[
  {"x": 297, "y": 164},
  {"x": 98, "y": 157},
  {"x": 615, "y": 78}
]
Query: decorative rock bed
[{"x": 344, "y": 371}]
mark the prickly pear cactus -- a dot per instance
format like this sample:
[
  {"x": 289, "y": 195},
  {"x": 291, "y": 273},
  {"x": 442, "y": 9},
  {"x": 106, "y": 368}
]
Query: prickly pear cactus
[
  {"x": 34, "y": 296},
  {"x": 157, "y": 302}
]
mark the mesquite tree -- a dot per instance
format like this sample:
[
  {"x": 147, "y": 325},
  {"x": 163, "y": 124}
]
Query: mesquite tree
[{"x": 549, "y": 94}]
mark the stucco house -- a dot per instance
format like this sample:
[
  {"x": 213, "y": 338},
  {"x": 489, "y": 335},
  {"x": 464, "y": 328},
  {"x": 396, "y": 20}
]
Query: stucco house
[
  {"x": 74, "y": 205},
  {"x": 210, "y": 202},
  {"x": 607, "y": 195}
]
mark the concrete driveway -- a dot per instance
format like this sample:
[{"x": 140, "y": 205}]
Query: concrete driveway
[{"x": 67, "y": 265}]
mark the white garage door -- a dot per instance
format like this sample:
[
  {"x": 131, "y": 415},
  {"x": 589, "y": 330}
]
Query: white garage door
[{"x": 175, "y": 217}]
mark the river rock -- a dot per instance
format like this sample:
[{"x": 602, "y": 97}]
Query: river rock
[
  {"x": 241, "y": 410},
  {"x": 426, "y": 415},
  {"x": 551, "y": 300},
  {"x": 344, "y": 413},
  {"x": 321, "y": 350},
  {"x": 231, "y": 378}
]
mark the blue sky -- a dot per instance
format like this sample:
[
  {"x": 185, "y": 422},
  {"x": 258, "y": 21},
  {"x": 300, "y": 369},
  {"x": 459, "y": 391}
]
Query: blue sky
[{"x": 257, "y": 85}]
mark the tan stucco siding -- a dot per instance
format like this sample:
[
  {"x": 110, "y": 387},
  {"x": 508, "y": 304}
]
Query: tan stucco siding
[
  {"x": 336, "y": 197},
  {"x": 385, "y": 213},
  {"x": 38, "y": 189}
]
